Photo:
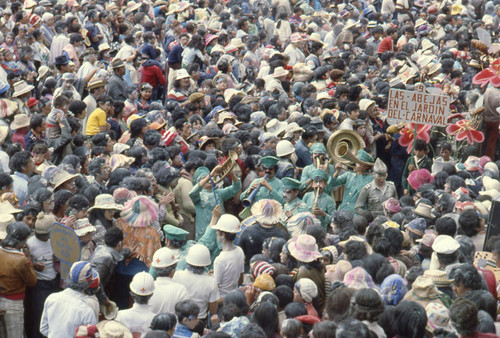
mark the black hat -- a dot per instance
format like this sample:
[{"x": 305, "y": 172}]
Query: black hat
[
  {"x": 18, "y": 231},
  {"x": 61, "y": 60}
]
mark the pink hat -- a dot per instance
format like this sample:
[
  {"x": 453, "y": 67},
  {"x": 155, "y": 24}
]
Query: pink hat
[
  {"x": 472, "y": 163},
  {"x": 392, "y": 205},
  {"x": 209, "y": 38},
  {"x": 295, "y": 37},
  {"x": 483, "y": 160},
  {"x": 419, "y": 177},
  {"x": 140, "y": 212},
  {"x": 358, "y": 278},
  {"x": 304, "y": 248}
]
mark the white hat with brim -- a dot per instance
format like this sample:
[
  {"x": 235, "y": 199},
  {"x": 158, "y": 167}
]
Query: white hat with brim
[
  {"x": 280, "y": 71},
  {"x": 106, "y": 202},
  {"x": 61, "y": 177},
  {"x": 21, "y": 88},
  {"x": 5, "y": 220},
  {"x": 4, "y": 131},
  {"x": 181, "y": 74},
  {"x": 276, "y": 127},
  {"x": 83, "y": 227},
  {"x": 316, "y": 38},
  {"x": 20, "y": 121},
  {"x": 42, "y": 71},
  {"x": 304, "y": 248},
  {"x": 7, "y": 208}
]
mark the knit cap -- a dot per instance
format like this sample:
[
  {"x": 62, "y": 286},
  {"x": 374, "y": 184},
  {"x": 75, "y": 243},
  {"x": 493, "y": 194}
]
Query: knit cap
[{"x": 307, "y": 289}]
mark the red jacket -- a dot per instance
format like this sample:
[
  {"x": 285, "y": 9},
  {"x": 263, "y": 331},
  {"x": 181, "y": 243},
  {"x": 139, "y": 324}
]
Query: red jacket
[
  {"x": 153, "y": 75},
  {"x": 386, "y": 45}
]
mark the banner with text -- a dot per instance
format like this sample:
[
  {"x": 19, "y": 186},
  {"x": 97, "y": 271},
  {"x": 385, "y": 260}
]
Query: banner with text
[{"x": 418, "y": 107}]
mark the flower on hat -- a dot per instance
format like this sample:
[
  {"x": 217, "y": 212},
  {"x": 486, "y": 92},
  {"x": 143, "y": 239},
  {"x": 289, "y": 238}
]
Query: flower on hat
[
  {"x": 408, "y": 134},
  {"x": 464, "y": 130},
  {"x": 488, "y": 75}
]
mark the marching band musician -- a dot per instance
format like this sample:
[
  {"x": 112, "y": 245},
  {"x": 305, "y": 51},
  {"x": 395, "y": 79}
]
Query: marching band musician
[
  {"x": 293, "y": 204},
  {"x": 320, "y": 203},
  {"x": 203, "y": 197},
  {"x": 353, "y": 182},
  {"x": 271, "y": 187},
  {"x": 318, "y": 154}
]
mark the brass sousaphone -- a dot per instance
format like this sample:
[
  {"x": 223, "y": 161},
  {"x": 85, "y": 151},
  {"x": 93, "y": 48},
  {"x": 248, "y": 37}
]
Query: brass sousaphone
[{"x": 343, "y": 145}]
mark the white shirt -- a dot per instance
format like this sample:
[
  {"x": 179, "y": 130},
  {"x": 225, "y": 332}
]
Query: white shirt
[
  {"x": 202, "y": 289},
  {"x": 137, "y": 319},
  {"x": 295, "y": 54},
  {"x": 167, "y": 294},
  {"x": 63, "y": 312},
  {"x": 228, "y": 267},
  {"x": 41, "y": 252}
]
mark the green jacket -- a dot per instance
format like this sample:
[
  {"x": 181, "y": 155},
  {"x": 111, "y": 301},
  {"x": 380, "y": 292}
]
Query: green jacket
[
  {"x": 263, "y": 193},
  {"x": 353, "y": 183}
]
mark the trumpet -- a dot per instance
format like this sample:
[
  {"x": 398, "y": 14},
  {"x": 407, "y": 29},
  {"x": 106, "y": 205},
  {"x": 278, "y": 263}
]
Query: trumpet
[
  {"x": 226, "y": 167},
  {"x": 247, "y": 202}
]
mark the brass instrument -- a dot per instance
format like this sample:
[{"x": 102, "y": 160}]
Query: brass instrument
[
  {"x": 343, "y": 146},
  {"x": 226, "y": 167},
  {"x": 316, "y": 196},
  {"x": 247, "y": 202}
]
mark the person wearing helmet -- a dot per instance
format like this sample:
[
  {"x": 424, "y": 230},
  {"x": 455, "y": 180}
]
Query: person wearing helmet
[
  {"x": 16, "y": 273},
  {"x": 269, "y": 188},
  {"x": 293, "y": 204},
  {"x": 167, "y": 293},
  {"x": 319, "y": 161},
  {"x": 285, "y": 150},
  {"x": 229, "y": 265},
  {"x": 139, "y": 317},
  {"x": 202, "y": 288},
  {"x": 321, "y": 204}
]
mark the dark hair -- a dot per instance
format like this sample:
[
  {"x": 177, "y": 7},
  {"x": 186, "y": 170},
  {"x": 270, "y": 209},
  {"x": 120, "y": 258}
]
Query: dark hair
[
  {"x": 373, "y": 232},
  {"x": 61, "y": 197},
  {"x": 446, "y": 226},
  {"x": 5, "y": 180},
  {"x": 77, "y": 107},
  {"x": 113, "y": 236},
  {"x": 95, "y": 165},
  {"x": 295, "y": 309},
  {"x": 468, "y": 276},
  {"x": 77, "y": 203},
  {"x": 367, "y": 305},
  {"x": 420, "y": 145},
  {"x": 186, "y": 309},
  {"x": 469, "y": 222},
  {"x": 252, "y": 330},
  {"x": 338, "y": 303},
  {"x": 19, "y": 160},
  {"x": 351, "y": 327},
  {"x": 355, "y": 250},
  {"x": 324, "y": 329},
  {"x": 165, "y": 272},
  {"x": 378, "y": 267},
  {"x": 463, "y": 316},
  {"x": 36, "y": 121},
  {"x": 284, "y": 294},
  {"x": 136, "y": 127},
  {"x": 395, "y": 237},
  {"x": 410, "y": 320},
  {"x": 274, "y": 246},
  {"x": 484, "y": 300},
  {"x": 163, "y": 321}
]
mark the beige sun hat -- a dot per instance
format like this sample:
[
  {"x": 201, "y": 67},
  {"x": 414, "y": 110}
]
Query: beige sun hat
[
  {"x": 112, "y": 328},
  {"x": 267, "y": 211},
  {"x": 5, "y": 220},
  {"x": 237, "y": 43},
  {"x": 42, "y": 71},
  {"x": 280, "y": 71},
  {"x": 316, "y": 38},
  {"x": 4, "y": 131},
  {"x": 61, "y": 177},
  {"x": 20, "y": 121},
  {"x": 181, "y": 74},
  {"x": 7, "y": 208},
  {"x": 106, "y": 202},
  {"x": 276, "y": 127},
  {"x": 491, "y": 183},
  {"x": 21, "y": 88}
]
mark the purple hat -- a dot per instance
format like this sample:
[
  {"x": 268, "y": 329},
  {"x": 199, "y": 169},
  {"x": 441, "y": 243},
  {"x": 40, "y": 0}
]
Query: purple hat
[
  {"x": 392, "y": 205},
  {"x": 358, "y": 278}
]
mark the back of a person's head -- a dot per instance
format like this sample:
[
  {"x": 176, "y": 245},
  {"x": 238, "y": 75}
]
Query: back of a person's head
[
  {"x": 295, "y": 309},
  {"x": 252, "y": 330},
  {"x": 324, "y": 329},
  {"x": 350, "y": 327},
  {"x": 463, "y": 316},
  {"x": 410, "y": 320},
  {"x": 470, "y": 222},
  {"x": 484, "y": 300},
  {"x": 284, "y": 295},
  {"x": 446, "y": 226},
  {"x": 338, "y": 303},
  {"x": 113, "y": 237}
]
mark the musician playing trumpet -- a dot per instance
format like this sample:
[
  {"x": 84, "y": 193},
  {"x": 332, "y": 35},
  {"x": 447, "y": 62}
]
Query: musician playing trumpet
[
  {"x": 319, "y": 161},
  {"x": 204, "y": 199},
  {"x": 320, "y": 204},
  {"x": 293, "y": 204},
  {"x": 268, "y": 188}
]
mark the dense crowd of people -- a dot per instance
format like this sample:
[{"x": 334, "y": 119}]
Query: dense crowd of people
[{"x": 229, "y": 169}]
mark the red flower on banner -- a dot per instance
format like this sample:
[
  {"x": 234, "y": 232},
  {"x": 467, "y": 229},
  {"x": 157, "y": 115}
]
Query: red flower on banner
[
  {"x": 464, "y": 129},
  {"x": 489, "y": 75},
  {"x": 408, "y": 134}
]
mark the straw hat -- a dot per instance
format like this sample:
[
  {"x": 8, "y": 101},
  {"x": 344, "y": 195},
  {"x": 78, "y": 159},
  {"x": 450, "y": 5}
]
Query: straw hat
[
  {"x": 438, "y": 277},
  {"x": 7, "y": 208},
  {"x": 4, "y": 131},
  {"x": 181, "y": 74},
  {"x": 42, "y": 71},
  {"x": 20, "y": 121},
  {"x": 5, "y": 220},
  {"x": 204, "y": 139},
  {"x": 427, "y": 44},
  {"x": 316, "y": 38},
  {"x": 424, "y": 292},
  {"x": 21, "y": 88},
  {"x": 120, "y": 160},
  {"x": 280, "y": 71},
  {"x": 276, "y": 127},
  {"x": 304, "y": 248},
  {"x": 237, "y": 43},
  {"x": 7, "y": 108},
  {"x": 267, "y": 211},
  {"x": 424, "y": 210},
  {"x": 106, "y": 202},
  {"x": 112, "y": 328},
  {"x": 298, "y": 223},
  {"x": 96, "y": 83},
  {"x": 140, "y": 212},
  {"x": 131, "y": 7},
  {"x": 83, "y": 227},
  {"x": 61, "y": 177},
  {"x": 230, "y": 93}
]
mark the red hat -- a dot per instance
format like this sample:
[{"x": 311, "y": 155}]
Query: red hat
[
  {"x": 32, "y": 102},
  {"x": 86, "y": 331},
  {"x": 34, "y": 19},
  {"x": 169, "y": 137},
  {"x": 419, "y": 177}
]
